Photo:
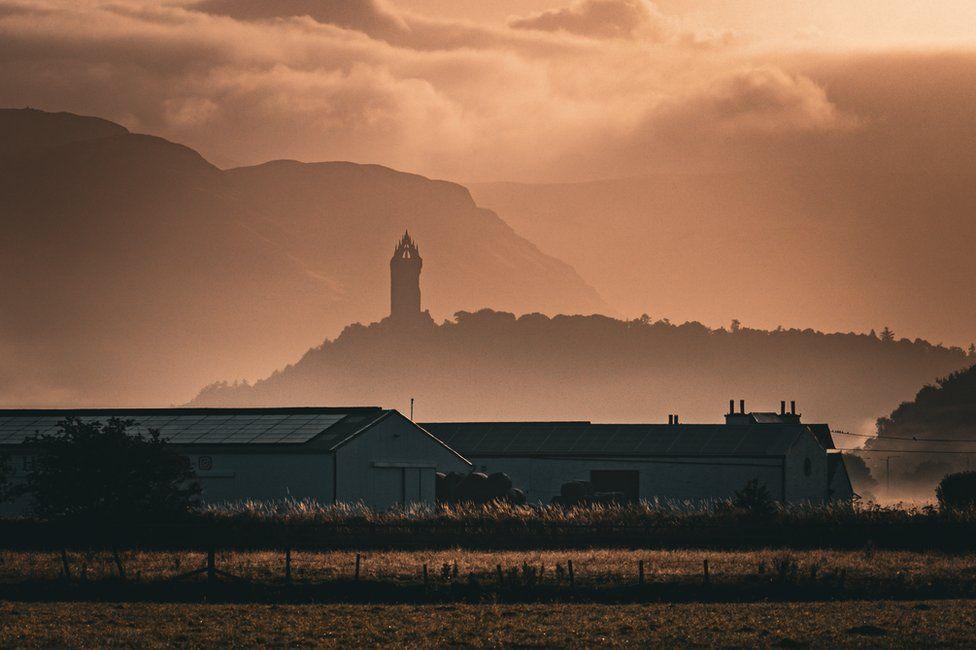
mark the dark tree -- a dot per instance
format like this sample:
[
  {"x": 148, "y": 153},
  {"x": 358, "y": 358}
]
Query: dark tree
[
  {"x": 4, "y": 477},
  {"x": 887, "y": 335},
  {"x": 957, "y": 491},
  {"x": 754, "y": 498},
  {"x": 103, "y": 472}
]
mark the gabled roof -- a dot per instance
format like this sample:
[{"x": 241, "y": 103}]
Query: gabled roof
[
  {"x": 485, "y": 439},
  {"x": 209, "y": 426}
]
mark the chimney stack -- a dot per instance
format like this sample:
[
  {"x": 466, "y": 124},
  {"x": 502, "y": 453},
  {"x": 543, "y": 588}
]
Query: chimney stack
[
  {"x": 731, "y": 407},
  {"x": 782, "y": 407},
  {"x": 670, "y": 419},
  {"x": 792, "y": 407},
  {"x": 675, "y": 418},
  {"x": 742, "y": 406}
]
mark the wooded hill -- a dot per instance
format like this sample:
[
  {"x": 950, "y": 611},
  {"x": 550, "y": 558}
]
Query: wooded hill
[{"x": 491, "y": 365}]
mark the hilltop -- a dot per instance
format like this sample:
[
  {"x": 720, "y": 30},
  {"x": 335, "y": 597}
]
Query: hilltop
[{"x": 496, "y": 366}]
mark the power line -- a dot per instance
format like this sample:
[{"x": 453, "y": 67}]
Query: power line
[
  {"x": 911, "y": 439},
  {"x": 906, "y": 451}
]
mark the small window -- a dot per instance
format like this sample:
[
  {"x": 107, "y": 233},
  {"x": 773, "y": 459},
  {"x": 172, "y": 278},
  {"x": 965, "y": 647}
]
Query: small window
[
  {"x": 28, "y": 464},
  {"x": 205, "y": 463},
  {"x": 807, "y": 467}
]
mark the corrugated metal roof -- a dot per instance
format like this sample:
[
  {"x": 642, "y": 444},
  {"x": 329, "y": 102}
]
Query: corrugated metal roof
[
  {"x": 265, "y": 426},
  {"x": 584, "y": 438}
]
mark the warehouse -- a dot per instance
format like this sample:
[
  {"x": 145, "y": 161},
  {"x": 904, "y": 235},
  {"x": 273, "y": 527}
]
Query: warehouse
[
  {"x": 364, "y": 454},
  {"x": 684, "y": 462}
]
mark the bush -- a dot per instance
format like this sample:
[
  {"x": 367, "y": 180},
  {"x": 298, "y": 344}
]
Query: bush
[
  {"x": 99, "y": 472},
  {"x": 754, "y": 498},
  {"x": 957, "y": 491}
]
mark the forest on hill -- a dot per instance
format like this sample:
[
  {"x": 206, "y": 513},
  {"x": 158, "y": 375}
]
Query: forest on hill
[
  {"x": 926, "y": 437},
  {"x": 493, "y": 365}
]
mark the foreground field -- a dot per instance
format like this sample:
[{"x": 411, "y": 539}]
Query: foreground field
[
  {"x": 595, "y": 566},
  {"x": 860, "y": 623},
  {"x": 599, "y": 575}
]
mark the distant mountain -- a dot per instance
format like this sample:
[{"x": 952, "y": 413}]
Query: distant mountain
[
  {"x": 134, "y": 271},
  {"x": 838, "y": 250},
  {"x": 492, "y": 365},
  {"x": 25, "y": 130}
]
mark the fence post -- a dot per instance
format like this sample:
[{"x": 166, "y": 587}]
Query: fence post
[
  {"x": 572, "y": 577},
  {"x": 64, "y": 564},
  {"x": 501, "y": 577},
  {"x": 640, "y": 572},
  {"x": 425, "y": 576},
  {"x": 118, "y": 563},
  {"x": 288, "y": 565},
  {"x": 357, "y": 566},
  {"x": 211, "y": 566},
  {"x": 705, "y": 571}
]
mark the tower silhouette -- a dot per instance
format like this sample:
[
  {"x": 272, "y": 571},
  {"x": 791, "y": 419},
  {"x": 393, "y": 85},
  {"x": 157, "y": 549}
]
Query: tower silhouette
[{"x": 405, "y": 268}]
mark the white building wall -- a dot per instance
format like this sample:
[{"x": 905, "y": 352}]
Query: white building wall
[
  {"x": 264, "y": 476},
  {"x": 801, "y": 486},
  {"x": 392, "y": 463},
  {"x": 663, "y": 478}
]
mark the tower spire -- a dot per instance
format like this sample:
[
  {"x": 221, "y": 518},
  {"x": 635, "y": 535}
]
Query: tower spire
[{"x": 405, "y": 269}]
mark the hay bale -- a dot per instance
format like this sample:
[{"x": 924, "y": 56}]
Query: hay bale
[
  {"x": 500, "y": 483},
  {"x": 515, "y": 496},
  {"x": 576, "y": 490}
]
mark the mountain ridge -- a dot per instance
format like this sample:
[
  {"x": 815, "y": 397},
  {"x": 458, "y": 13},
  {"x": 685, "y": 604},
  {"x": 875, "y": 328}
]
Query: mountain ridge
[{"x": 163, "y": 272}]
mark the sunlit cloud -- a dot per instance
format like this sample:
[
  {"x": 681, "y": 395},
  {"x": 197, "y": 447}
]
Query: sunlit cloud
[{"x": 566, "y": 93}]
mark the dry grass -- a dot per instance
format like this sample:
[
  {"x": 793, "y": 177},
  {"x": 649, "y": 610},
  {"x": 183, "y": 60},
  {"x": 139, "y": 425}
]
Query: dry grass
[
  {"x": 849, "y": 624},
  {"x": 645, "y": 513},
  {"x": 591, "y": 567}
]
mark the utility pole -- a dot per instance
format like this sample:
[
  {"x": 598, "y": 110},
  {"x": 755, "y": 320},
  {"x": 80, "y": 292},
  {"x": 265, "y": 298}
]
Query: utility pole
[
  {"x": 888, "y": 475},
  {"x": 411, "y": 409}
]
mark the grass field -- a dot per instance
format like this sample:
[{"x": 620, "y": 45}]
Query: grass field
[
  {"x": 597, "y": 566},
  {"x": 884, "y": 624},
  {"x": 609, "y": 574}
]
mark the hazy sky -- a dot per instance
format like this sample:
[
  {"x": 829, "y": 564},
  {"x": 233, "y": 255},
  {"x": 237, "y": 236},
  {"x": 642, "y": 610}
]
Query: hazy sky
[
  {"x": 556, "y": 90},
  {"x": 534, "y": 90}
]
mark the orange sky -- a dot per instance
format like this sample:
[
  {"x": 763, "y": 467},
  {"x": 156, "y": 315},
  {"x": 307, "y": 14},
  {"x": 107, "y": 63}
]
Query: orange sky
[
  {"x": 557, "y": 90},
  {"x": 854, "y": 22},
  {"x": 529, "y": 90}
]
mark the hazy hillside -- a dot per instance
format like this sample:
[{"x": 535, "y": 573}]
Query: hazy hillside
[
  {"x": 944, "y": 410},
  {"x": 832, "y": 249},
  {"x": 935, "y": 430},
  {"x": 162, "y": 273},
  {"x": 491, "y": 365}
]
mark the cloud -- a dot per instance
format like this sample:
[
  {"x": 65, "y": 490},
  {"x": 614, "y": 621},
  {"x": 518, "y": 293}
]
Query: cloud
[
  {"x": 601, "y": 19},
  {"x": 361, "y": 80},
  {"x": 761, "y": 100},
  {"x": 370, "y": 17}
]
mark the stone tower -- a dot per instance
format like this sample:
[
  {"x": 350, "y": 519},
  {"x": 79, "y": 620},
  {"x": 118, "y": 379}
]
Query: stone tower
[{"x": 405, "y": 281}]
